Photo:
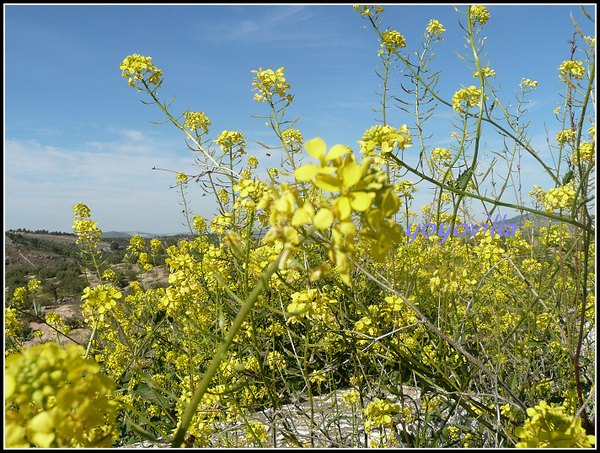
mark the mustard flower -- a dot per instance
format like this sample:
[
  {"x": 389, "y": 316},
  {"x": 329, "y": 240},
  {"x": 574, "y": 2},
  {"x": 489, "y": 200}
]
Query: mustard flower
[
  {"x": 181, "y": 178},
  {"x": 568, "y": 135},
  {"x": 468, "y": 96},
  {"x": 391, "y": 40},
  {"x": 487, "y": 72},
  {"x": 32, "y": 285},
  {"x": 98, "y": 301},
  {"x": 368, "y": 10},
  {"x": 351, "y": 398},
  {"x": 560, "y": 197},
  {"x": 269, "y": 83},
  {"x": 20, "y": 295},
  {"x": 379, "y": 414},
  {"x": 550, "y": 427},
  {"x": 56, "y": 398},
  {"x": 199, "y": 224},
  {"x": 385, "y": 138},
  {"x": 136, "y": 243},
  {"x": 155, "y": 245},
  {"x": 571, "y": 70},
  {"x": 442, "y": 156},
  {"x": 12, "y": 325},
  {"x": 479, "y": 13},
  {"x": 434, "y": 28},
  {"x": 527, "y": 83},
  {"x": 252, "y": 163},
  {"x": 586, "y": 153},
  {"x": 292, "y": 138},
  {"x": 231, "y": 139},
  {"x": 137, "y": 67},
  {"x": 197, "y": 120},
  {"x": 86, "y": 230}
]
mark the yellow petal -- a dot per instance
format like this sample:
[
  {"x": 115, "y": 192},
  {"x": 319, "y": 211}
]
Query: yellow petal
[
  {"x": 306, "y": 172},
  {"x": 323, "y": 219},
  {"x": 336, "y": 151},
  {"x": 361, "y": 201},
  {"x": 40, "y": 429},
  {"x": 344, "y": 208},
  {"x": 351, "y": 174},
  {"x": 316, "y": 148},
  {"x": 301, "y": 217},
  {"x": 328, "y": 183},
  {"x": 390, "y": 204}
]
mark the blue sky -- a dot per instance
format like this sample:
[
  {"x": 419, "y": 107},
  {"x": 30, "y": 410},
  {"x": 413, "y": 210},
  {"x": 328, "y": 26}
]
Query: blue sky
[{"x": 74, "y": 131}]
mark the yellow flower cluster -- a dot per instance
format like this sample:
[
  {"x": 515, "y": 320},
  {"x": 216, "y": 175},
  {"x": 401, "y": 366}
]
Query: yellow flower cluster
[
  {"x": 550, "y": 427},
  {"x": 556, "y": 198},
  {"x": 12, "y": 325},
  {"x": 568, "y": 135},
  {"x": 571, "y": 69},
  {"x": 468, "y": 96},
  {"x": 97, "y": 302},
  {"x": 391, "y": 41},
  {"x": 434, "y": 28},
  {"x": 442, "y": 156},
  {"x": 20, "y": 295},
  {"x": 368, "y": 10},
  {"x": 293, "y": 138},
  {"x": 360, "y": 188},
  {"x": 311, "y": 305},
  {"x": 379, "y": 414},
  {"x": 231, "y": 139},
  {"x": 86, "y": 230},
  {"x": 479, "y": 13},
  {"x": 586, "y": 153},
  {"x": 138, "y": 67},
  {"x": 385, "y": 139},
  {"x": 487, "y": 72},
  {"x": 56, "y": 398},
  {"x": 528, "y": 84},
  {"x": 270, "y": 83},
  {"x": 196, "y": 120},
  {"x": 181, "y": 178}
]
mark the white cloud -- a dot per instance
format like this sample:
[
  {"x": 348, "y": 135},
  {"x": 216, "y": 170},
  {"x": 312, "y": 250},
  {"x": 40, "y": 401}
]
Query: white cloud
[{"x": 114, "y": 178}]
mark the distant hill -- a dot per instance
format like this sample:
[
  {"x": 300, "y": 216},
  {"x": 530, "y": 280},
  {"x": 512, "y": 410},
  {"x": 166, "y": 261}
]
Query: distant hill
[{"x": 128, "y": 234}]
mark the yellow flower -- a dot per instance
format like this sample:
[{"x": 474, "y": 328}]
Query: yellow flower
[
  {"x": 196, "y": 120},
  {"x": 230, "y": 139},
  {"x": 434, "y": 28},
  {"x": 479, "y": 13},
  {"x": 385, "y": 138},
  {"x": 136, "y": 67},
  {"x": 571, "y": 69},
  {"x": 56, "y": 398},
  {"x": 292, "y": 138},
  {"x": 20, "y": 295},
  {"x": 368, "y": 10},
  {"x": 391, "y": 40},
  {"x": 527, "y": 83},
  {"x": 568, "y": 135},
  {"x": 470, "y": 96},
  {"x": 86, "y": 230},
  {"x": 98, "y": 301},
  {"x": 487, "y": 72},
  {"x": 550, "y": 427},
  {"x": 269, "y": 83},
  {"x": 585, "y": 153},
  {"x": 379, "y": 414}
]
